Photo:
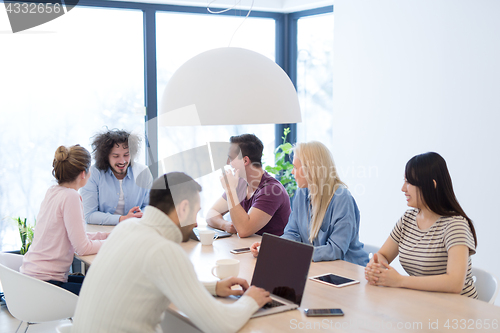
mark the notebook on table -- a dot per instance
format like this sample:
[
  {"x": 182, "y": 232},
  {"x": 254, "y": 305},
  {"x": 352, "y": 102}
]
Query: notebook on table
[{"x": 282, "y": 268}]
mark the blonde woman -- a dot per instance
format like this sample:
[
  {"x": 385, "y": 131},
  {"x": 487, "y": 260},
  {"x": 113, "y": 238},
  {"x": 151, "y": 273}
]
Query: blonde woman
[
  {"x": 324, "y": 213},
  {"x": 60, "y": 227}
]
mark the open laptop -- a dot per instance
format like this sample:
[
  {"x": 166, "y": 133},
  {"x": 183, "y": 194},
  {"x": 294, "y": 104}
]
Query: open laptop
[
  {"x": 219, "y": 233},
  {"x": 282, "y": 268}
]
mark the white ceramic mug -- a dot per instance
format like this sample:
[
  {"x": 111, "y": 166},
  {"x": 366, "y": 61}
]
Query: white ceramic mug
[
  {"x": 206, "y": 236},
  {"x": 225, "y": 268}
]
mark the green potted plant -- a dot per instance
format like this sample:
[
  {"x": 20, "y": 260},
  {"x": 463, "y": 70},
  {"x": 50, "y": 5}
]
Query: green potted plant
[
  {"x": 26, "y": 233},
  {"x": 283, "y": 167}
]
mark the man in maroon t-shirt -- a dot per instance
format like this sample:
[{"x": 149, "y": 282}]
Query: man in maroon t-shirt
[{"x": 257, "y": 202}]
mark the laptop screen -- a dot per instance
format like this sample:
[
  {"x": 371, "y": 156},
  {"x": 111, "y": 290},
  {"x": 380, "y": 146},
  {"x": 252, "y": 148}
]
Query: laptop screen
[{"x": 282, "y": 267}]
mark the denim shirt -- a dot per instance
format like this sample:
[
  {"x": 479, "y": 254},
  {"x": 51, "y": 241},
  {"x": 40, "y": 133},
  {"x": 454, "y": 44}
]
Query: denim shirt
[
  {"x": 100, "y": 195},
  {"x": 338, "y": 237}
]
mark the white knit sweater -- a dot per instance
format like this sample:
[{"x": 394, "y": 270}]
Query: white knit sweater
[{"x": 139, "y": 270}]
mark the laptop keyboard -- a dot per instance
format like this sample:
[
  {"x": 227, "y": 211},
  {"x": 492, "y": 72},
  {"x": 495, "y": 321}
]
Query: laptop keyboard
[
  {"x": 269, "y": 305},
  {"x": 272, "y": 304}
]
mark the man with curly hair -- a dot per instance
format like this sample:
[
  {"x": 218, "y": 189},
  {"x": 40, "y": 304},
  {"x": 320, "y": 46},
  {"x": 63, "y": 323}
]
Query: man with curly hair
[{"x": 118, "y": 187}]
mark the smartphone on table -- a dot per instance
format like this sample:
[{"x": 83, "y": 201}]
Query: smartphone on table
[
  {"x": 242, "y": 250},
  {"x": 323, "y": 312}
]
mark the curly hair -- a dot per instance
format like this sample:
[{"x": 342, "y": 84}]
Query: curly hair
[{"x": 104, "y": 142}]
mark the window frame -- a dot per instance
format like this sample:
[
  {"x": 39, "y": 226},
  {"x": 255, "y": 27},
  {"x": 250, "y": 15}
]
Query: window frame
[{"x": 285, "y": 50}]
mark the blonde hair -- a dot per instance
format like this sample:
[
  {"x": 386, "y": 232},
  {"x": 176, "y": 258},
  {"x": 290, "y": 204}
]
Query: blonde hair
[
  {"x": 70, "y": 162},
  {"x": 320, "y": 172}
]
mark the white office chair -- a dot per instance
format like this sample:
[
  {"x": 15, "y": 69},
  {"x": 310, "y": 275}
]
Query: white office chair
[
  {"x": 371, "y": 249},
  {"x": 32, "y": 300},
  {"x": 64, "y": 328},
  {"x": 486, "y": 285},
  {"x": 11, "y": 260},
  {"x": 174, "y": 322}
]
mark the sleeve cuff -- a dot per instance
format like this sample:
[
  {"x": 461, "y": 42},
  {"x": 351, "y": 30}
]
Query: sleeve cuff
[
  {"x": 210, "y": 286},
  {"x": 115, "y": 219},
  {"x": 249, "y": 302},
  {"x": 112, "y": 219},
  {"x": 97, "y": 235}
]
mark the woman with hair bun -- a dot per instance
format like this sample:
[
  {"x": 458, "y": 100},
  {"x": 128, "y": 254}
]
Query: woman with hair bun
[
  {"x": 60, "y": 228},
  {"x": 324, "y": 213}
]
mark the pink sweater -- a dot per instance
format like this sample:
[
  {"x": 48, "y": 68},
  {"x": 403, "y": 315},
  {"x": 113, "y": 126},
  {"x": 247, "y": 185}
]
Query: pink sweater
[{"x": 59, "y": 233}]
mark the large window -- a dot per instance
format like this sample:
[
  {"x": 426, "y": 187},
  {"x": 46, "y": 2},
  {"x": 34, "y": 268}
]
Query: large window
[
  {"x": 83, "y": 72},
  {"x": 181, "y": 37},
  {"x": 61, "y": 83},
  {"x": 315, "y": 78}
]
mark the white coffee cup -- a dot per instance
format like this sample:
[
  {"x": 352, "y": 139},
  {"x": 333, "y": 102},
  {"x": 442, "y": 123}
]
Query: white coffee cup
[
  {"x": 206, "y": 236},
  {"x": 225, "y": 268}
]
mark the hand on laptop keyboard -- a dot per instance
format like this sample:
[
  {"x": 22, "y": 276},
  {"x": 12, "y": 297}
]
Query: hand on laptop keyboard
[
  {"x": 272, "y": 304},
  {"x": 231, "y": 286},
  {"x": 260, "y": 295}
]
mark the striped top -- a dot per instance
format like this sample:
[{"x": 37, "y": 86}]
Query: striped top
[{"x": 425, "y": 252}]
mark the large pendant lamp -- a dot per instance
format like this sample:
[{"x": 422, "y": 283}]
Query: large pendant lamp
[
  {"x": 229, "y": 86},
  {"x": 224, "y": 86}
]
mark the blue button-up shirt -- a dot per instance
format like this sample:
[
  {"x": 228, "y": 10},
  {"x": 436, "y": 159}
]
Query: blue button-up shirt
[
  {"x": 100, "y": 195},
  {"x": 338, "y": 237}
]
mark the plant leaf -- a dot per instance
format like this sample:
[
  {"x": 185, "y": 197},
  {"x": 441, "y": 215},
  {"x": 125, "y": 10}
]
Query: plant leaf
[
  {"x": 273, "y": 170},
  {"x": 287, "y": 148},
  {"x": 280, "y": 156}
]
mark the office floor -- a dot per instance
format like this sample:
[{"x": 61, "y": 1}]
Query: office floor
[{"x": 9, "y": 324}]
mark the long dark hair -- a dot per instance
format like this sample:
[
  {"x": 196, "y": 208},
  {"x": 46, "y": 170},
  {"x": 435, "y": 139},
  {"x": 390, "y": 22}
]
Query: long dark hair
[{"x": 421, "y": 171}]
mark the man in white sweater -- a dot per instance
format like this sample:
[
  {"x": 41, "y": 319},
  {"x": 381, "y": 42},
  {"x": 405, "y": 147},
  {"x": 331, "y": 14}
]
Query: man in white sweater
[{"x": 141, "y": 269}]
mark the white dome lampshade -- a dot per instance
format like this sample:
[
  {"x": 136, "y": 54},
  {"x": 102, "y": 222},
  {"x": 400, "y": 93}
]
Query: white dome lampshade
[{"x": 229, "y": 86}]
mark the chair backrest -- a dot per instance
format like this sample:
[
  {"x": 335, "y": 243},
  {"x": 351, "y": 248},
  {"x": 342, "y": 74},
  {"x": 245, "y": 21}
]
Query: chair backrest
[
  {"x": 371, "y": 249},
  {"x": 11, "y": 260},
  {"x": 64, "y": 328},
  {"x": 35, "y": 301},
  {"x": 486, "y": 285}
]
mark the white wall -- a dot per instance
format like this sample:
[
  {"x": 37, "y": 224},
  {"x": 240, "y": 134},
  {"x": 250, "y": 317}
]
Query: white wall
[{"x": 416, "y": 76}]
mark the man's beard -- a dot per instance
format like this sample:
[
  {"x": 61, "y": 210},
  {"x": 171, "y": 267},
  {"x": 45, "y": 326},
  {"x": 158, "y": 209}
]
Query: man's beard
[{"x": 119, "y": 171}]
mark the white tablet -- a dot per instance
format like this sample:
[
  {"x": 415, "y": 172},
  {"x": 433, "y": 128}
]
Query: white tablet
[{"x": 334, "y": 280}]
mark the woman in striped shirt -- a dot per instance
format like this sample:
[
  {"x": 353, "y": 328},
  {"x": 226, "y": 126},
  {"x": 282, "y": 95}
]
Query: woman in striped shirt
[{"x": 434, "y": 240}]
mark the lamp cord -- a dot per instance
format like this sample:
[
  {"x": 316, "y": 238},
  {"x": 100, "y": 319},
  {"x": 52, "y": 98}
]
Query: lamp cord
[
  {"x": 222, "y": 11},
  {"x": 227, "y": 9}
]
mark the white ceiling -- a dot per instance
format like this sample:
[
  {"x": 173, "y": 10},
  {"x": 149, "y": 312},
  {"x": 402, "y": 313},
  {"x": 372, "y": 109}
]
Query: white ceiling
[{"x": 282, "y": 6}]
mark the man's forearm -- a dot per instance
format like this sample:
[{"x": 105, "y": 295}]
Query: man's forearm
[
  {"x": 101, "y": 218},
  {"x": 232, "y": 198},
  {"x": 241, "y": 221},
  {"x": 216, "y": 221},
  {"x": 239, "y": 217}
]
